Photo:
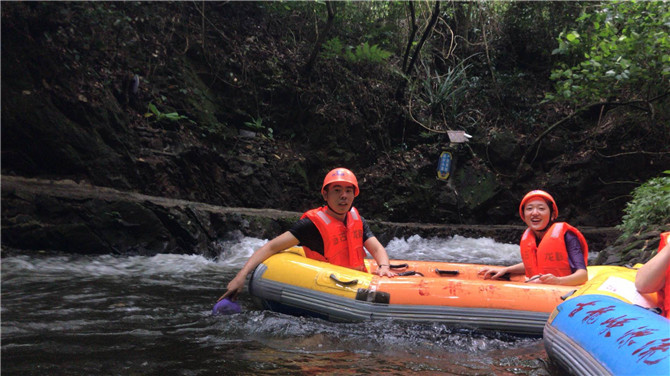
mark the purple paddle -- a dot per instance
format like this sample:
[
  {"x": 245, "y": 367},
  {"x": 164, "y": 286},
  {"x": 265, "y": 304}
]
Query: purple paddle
[{"x": 226, "y": 307}]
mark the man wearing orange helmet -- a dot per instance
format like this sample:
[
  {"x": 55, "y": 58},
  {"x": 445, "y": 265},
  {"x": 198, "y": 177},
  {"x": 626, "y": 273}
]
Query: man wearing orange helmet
[
  {"x": 551, "y": 252},
  {"x": 335, "y": 233}
]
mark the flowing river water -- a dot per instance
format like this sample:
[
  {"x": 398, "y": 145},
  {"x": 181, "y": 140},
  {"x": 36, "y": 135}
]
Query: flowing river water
[{"x": 133, "y": 315}]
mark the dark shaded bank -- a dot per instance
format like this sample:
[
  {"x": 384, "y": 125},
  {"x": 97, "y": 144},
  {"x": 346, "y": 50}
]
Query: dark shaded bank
[
  {"x": 207, "y": 102},
  {"x": 62, "y": 215}
]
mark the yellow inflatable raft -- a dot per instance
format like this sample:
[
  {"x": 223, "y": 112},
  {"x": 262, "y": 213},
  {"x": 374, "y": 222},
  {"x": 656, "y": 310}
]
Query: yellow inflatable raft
[{"x": 451, "y": 293}]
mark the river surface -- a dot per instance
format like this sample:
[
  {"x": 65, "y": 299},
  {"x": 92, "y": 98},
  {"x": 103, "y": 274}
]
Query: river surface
[{"x": 133, "y": 315}]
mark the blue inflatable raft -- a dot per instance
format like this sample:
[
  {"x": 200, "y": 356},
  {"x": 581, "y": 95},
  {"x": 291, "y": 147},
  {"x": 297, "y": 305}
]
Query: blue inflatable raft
[{"x": 598, "y": 331}]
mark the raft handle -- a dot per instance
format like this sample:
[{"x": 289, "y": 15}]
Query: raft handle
[
  {"x": 656, "y": 310},
  {"x": 563, "y": 297},
  {"x": 447, "y": 272},
  {"x": 410, "y": 272},
  {"x": 398, "y": 266},
  {"x": 346, "y": 283}
]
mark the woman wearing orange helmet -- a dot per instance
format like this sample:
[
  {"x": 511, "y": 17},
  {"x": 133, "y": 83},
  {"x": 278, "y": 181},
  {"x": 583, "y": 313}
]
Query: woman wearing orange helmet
[
  {"x": 335, "y": 233},
  {"x": 551, "y": 252}
]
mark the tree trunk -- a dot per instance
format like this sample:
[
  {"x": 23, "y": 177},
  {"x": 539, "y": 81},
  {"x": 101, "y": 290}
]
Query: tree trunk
[
  {"x": 429, "y": 29},
  {"x": 322, "y": 37},
  {"x": 411, "y": 35}
]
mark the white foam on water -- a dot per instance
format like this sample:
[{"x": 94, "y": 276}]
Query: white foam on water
[
  {"x": 454, "y": 249},
  {"x": 236, "y": 252}
]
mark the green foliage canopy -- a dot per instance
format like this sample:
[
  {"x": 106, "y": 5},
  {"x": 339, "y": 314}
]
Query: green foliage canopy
[{"x": 617, "y": 50}]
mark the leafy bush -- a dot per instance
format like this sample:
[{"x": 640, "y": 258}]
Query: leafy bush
[
  {"x": 617, "y": 50},
  {"x": 650, "y": 206}
]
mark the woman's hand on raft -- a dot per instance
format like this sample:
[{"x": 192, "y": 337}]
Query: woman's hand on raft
[
  {"x": 385, "y": 271},
  {"x": 492, "y": 273}
]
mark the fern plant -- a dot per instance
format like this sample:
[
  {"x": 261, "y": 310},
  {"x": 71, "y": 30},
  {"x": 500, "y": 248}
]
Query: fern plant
[
  {"x": 363, "y": 53},
  {"x": 367, "y": 53},
  {"x": 332, "y": 48}
]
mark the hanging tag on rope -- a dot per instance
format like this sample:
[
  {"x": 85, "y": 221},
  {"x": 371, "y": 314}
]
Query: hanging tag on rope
[{"x": 458, "y": 137}]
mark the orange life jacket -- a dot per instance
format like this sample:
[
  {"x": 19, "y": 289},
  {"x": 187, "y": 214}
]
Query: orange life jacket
[
  {"x": 342, "y": 244},
  {"x": 551, "y": 256},
  {"x": 662, "y": 301}
]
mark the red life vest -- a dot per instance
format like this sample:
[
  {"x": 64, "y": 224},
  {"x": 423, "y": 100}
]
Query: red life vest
[
  {"x": 662, "y": 301},
  {"x": 551, "y": 256},
  {"x": 342, "y": 244}
]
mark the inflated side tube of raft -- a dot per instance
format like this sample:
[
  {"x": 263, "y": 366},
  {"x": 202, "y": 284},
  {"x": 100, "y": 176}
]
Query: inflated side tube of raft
[
  {"x": 449, "y": 293},
  {"x": 608, "y": 328},
  {"x": 602, "y": 335}
]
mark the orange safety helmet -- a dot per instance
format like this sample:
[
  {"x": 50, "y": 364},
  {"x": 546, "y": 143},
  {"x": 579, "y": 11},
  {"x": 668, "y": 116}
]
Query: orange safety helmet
[
  {"x": 541, "y": 194},
  {"x": 341, "y": 175}
]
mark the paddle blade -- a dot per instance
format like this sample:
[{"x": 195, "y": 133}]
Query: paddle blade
[{"x": 226, "y": 307}]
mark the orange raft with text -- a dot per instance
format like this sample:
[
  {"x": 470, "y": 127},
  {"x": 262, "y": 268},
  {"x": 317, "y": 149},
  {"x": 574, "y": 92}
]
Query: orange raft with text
[{"x": 450, "y": 293}]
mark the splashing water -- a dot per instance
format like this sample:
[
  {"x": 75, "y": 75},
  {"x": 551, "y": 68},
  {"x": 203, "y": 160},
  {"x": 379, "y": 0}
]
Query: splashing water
[{"x": 82, "y": 315}]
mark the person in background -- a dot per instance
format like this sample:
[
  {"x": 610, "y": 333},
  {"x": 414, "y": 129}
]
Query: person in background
[
  {"x": 654, "y": 276},
  {"x": 334, "y": 233},
  {"x": 551, "y": 252}
]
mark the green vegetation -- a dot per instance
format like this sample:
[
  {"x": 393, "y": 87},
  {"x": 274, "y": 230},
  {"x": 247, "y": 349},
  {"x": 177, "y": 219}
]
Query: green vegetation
[
  {"x": 361, "y": 53},
  {"x": 617, "y": 51},
  {"x": 445, "y": 94},
  {"x": 650, "y": 207},
  {"x": 171, "y": 116},
  {"x": 257, "y": 125},
  {"x": 366, "y": 53},
  {"x": 333, "y": 48}
]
